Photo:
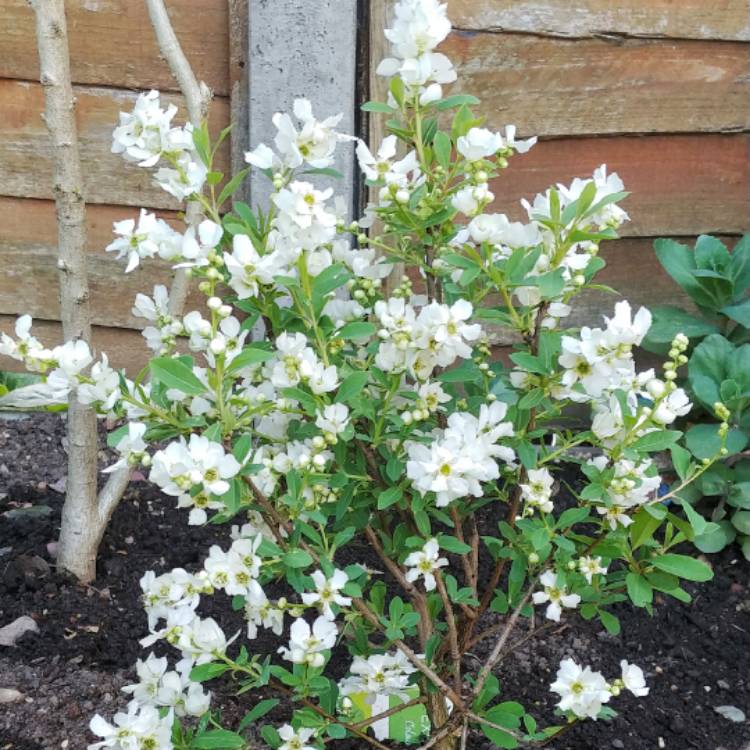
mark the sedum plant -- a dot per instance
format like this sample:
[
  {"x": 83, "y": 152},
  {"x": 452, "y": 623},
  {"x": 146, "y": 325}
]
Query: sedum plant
[
  {"x": 717, "y": 281},
  {"x": 394, "y": 494}
]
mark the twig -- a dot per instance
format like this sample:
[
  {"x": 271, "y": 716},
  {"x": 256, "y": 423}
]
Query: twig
[
  {"x": 197, "y": 99},
  {"x": 452, "y": 632},
  {"x": 465, "y": 559},
  {"x": 500, "y": 645}
]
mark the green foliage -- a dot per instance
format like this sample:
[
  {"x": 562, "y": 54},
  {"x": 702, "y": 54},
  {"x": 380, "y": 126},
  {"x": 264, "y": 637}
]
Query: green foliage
[{"x": 717, "y": 281}]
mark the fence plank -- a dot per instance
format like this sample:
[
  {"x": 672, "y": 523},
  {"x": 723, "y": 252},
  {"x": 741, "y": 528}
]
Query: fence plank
[
  {"x": 28, "y": 253},
  {"x": 112, "y": 43},
  {"x": 564, "y": 87},
  {"x": 688, "y": 19},
  {"x": 25, "y": 164},
  {"x": 125, "y": 349},
  {"x": 680, "y": 184}
]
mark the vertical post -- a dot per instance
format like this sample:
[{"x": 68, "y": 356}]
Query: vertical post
[{"x": 305, "y": 49}]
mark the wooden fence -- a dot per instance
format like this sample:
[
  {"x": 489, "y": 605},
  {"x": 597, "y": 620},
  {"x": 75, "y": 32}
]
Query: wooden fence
[{"x": 656, "y": 89}]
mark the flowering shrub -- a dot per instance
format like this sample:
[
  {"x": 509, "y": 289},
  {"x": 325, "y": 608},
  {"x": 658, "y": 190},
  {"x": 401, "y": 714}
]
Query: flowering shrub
[{"x": 372, "y": 423}]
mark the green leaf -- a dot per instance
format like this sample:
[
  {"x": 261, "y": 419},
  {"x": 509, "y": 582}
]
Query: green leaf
[
  {"x": 257, "y": 711},
  {"x": 377, "y": 107},
  {"x": 297, "y": 558},
  {"x": 610, "y": 622},
  {"x": 389, "y": 497},
  {"x": 330, "y": 279},
  {"x": 683, "y": 567},
  {"x": 507, "y": 715},
  {"x": 270, "y": 736},
  {"x": 352, "y": 387},
  {"x": 229, "y": 189},
  {"x": 174, "y": 373},
  {"x": 357, "y": 330},
  {"x": 741, "y": 521},
  {"x": 679, "y": 262},
  {"x": 704, "y": 442},
  {"x": 250, "y": 355},
  {"x": 456, "y": 101},
  {"x": 739, "y": 266},
  {"x": 639, "y": 589},
  {"x": 451, "y": 544},
  {"x": 218, "y": 739},
  {"x": 205, "y": 672},
  {"x": 669, "y": 321},
  {"x": 656, "y": 441},
  {"x": 680, "y": 460},
  {"x": 739, "y": 313},
  {"x": 739, "y": 496},
  {"x": 442, "y": 146}
]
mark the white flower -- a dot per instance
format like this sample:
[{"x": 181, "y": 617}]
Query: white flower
[
  {"x": 131, "y": 447},
  {"x": 147, "y": 238},
  {"x": 424, "y": 563},
  {"x": 591, "y": 566},
  {"x": 676, "y": 404},
  {"x": 479, "y": 143},
  {"x": 327, "y": 593},
  {"x": 144, "y": 134},
  {"x": 471, "y": 199},
  {"x": 306, "y": 645},
  {"x": 520, "y": 147},
  {"x": 260, "y": 611},
  {"x": 186, "y": 180},
  {"x": 141, "y": 727},
  {"x": 537, "y": 493},
  {"x": 296, "y": 739},
  {"x": 581, "y": 691},
  {"x": 203, "y": 640},
  {"x": 196, "y": 246},
  {"x": 168, "y": 593},
  {"x": 315, "y": 142},
  {"x": 334, "y": 419},
  {"x": 248, "y": 269},
  {"x": 632, "y": 678},
  {"x": 262, "y": 157},
  {"x": 378, "y": 675},
  {"x": 557, "y": 597}
]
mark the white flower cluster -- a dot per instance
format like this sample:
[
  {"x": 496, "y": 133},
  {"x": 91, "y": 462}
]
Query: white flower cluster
[
  {"x": 195, "y": 472},
  {"x": 458, "y": 460},
  {"x": 146, "y": 136},
  {"x": 419, "y": 26},
  {"x": 417, "y": 343},
  {"x": 583, "y": 692},
  {"x": 378, "y": 675}
]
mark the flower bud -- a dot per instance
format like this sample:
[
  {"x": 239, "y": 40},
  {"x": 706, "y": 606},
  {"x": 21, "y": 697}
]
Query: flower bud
[
  {"x": 402, "y": 196},
  {"x": 407, "y": 418},
  {"x": 319, "y": 442},
  {"x": 213, "y": 303},
  {"x": 533, "y": 558}
]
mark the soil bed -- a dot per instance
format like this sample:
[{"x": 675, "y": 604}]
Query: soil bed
[{"x": 696, "y": 657}]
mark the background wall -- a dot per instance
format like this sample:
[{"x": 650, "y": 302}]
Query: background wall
[
  {"x": 113, "y": 56},
  {"x": 657, "y": 89}
]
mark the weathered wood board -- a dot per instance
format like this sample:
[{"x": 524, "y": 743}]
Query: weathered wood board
[
  {"x": 687, "y": 19},
  {"x": 28, "y": 254},
  {"x": 112, "y": 43},
  {"x": 555, "y": 87},
  {"x": 25, "y": 162},
  {"x": 680, "y": 184}
]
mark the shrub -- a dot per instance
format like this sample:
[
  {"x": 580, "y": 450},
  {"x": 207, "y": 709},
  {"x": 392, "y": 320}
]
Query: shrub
[{"x": 375, "y": 424}]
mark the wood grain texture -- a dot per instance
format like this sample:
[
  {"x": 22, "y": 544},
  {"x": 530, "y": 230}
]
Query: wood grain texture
[
  {"x": 577, "y": 87},
  {"x": 112, "y": 43},
  {"x": 25, "y": 160},
  {"x": 680, "y": 184},
  {"x": 688, "y": 19},
  {"x": 125, "y": 349},
  {"x": 28, "y": 253}
]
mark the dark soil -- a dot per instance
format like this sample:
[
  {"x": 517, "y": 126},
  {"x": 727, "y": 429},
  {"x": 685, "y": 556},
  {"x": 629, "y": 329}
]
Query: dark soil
[{"x": 696, "y": 657}]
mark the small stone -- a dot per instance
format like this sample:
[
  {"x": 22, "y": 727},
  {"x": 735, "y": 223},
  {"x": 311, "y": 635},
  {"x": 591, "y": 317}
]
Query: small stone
[
  {"x": 619, "y": 744},
  {"x": 723, "y": 684},
  {"x": 10, "y": 634},
  {"x": 8, "y": 695},
  {"x": 732, "y": 713},
  {"x": 32, "y": 513}
]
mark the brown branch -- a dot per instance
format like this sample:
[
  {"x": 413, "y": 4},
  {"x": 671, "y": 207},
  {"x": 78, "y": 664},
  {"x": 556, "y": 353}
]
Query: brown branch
[
  {"x": 465, "y": 559},
  {"x": 500, "y": 645},
  {"x": 450, "y": 619}
]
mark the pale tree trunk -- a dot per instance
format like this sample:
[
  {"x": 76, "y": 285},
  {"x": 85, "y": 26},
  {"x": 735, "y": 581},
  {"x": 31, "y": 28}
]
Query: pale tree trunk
[
  {"x": 85, "y": 514},
  {"x": 78, "y": 536}
]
